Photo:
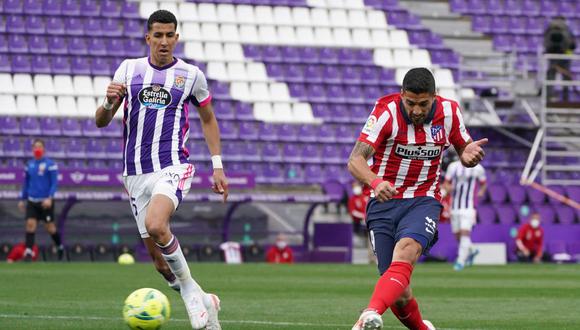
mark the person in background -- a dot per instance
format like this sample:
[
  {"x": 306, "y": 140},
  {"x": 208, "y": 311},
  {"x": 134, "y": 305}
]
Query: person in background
[
  {"x": 40, "y": 184},
  {"x": 280, "y": 253},
  {"x": 558, "y": 39},
  {"x": 357, "y": 204},
  {"x": 17, "y": 253},
  {"x": 530, "y": 240}
]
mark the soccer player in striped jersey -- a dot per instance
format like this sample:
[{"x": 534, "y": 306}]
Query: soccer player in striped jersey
[
  {"x": 398, "y": 156},
  {"x": 462, "y": 183},
  {"x": 155, "y": 92}
]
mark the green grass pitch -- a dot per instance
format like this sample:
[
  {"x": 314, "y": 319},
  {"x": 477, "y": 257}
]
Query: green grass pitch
[{"x": 315, "y": 296}]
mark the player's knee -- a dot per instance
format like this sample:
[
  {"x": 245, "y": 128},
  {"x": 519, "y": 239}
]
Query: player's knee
[
  {"x": 30, "y": 226},
  {"x": 408, "y": 249},
  {"x": 157, "y": 230}
]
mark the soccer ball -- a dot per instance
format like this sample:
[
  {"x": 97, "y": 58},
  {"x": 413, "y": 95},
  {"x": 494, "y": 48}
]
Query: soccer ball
[
  {"x": 126, "y": 259},
  {"x": 146, "y": 309}
]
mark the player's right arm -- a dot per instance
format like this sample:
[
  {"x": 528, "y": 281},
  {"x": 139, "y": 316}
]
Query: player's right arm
[
  {"x": 105, "y": 112},
  {"x": 377, "y": 128},
  {"x": 116, "y": 92}
]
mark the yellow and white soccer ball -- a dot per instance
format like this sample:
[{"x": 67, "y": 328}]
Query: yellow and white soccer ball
[
  {"x": 126, "y": 259},
  {"x": 146, "y": 309}
]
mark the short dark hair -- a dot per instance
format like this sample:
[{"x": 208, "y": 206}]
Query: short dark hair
[
  {"x": 41, "y": 141},
  {"x": 161, "y": 16},
  {"x": 419, "y": 80}
]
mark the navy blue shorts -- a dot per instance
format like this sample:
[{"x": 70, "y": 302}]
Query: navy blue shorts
[{"x": 388, "y": 222}]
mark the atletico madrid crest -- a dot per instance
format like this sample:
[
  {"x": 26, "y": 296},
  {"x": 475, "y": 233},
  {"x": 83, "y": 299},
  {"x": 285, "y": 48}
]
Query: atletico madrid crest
[{"x": 437, "y": 132}]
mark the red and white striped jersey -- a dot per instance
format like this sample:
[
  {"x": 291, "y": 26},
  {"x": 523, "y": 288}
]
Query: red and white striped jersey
[{"x": 409, "y": 156}]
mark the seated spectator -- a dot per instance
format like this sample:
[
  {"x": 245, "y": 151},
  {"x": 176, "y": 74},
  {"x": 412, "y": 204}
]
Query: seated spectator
[
  {"x": 357, "y": 204},
  {"x": 530, "y": 240},
  {"x": 280, "y": 253}
]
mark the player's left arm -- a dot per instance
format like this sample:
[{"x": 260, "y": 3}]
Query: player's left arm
[
  {"x": 211, "y": 132},
  {"x": 470, "y": 152}
]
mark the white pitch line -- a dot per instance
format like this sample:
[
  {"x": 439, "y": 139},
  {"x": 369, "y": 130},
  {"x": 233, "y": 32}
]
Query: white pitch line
[{"x": 279, "y": 324}]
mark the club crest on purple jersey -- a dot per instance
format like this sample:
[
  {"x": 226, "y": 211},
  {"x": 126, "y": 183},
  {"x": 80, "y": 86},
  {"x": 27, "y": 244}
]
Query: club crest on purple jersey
[{"x": 179, "y": 82}]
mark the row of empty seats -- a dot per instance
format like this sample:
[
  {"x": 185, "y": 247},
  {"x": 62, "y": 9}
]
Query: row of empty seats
[
  {"x": 41, "y": 84},
  {"x": 83, "y": 8},
  {"x": 279, "y": 15},
  {"x": 508, "y": 213},
  {"x": 66, "y": 25},
  {"x": 566, "y": 8}
]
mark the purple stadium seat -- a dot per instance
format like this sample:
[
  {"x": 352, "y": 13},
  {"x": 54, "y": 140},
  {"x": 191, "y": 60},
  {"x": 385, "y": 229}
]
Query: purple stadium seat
[
  {"x": 3, "y": 44},
  {"x": 74, "y": 26},
  {"x": 70, "y": 8},
  {"x": 351, "y": 75},
  {"x": 316, "y": 93},
  {"x": 494, "y": 7},
  {"x": 30, "y": 126},
  {"x": 291, "y": 153},
  {"x": 91, "y": 9},
  {"x": 536, "y": 196},
  {"x": 232, "y": 151},
  {"x": 516, "y": 194},
  {"x": 224, "y": 110},
  {"x": 497, "y": 193},
  {"x": 276, "y": 71},
  {"x": 114, "y": 148},
  {"x": 290, "y": 55},
  {"x": 244, "y": 111},
  {"x": 346, "y": 134},
  {"x": 306, "y": 133},
  {"x": 89, "y": 128},
  {"x": 37, "y": 44},
  {"x": 17, "y": 44},
  {"x": 271, "y": 54},
  {"x": 70, "y": 127},
  {"x": 228, "y": 130},
  {"x": 486, "y": 214},
  {"x": 112, "y": 27},
  {"x": 58, "y": 45},
  {"x": 573, "y": 192},
  {"x": 335, "y": 94},
  {"x": 101, "y": 66},
  {"x": 503, "y": 42},
  {"x": 309, "y": 55},
  {"x": 565, "y": 215},
  {"x": 506, "y": 214},
  {"x": 294, "y": 174},
  {"x": 54, "y": 148},
  {"x": 92, "y": 26},
  {"x": 96, "y": 149},
  {"x": 273, "y": 173},
  {"x": 287, "y": 133},
  {"x": 268, "y": 132},
  {"x": 322, "y": 110},
  {"x": 558, "y": 189},
  {"x": 21, "y": 64},
  {"x": 12, "y": 6},
  {"x": 331, "y": 154},
  {"x": 250, "y": 152},
  {"x": 313, "y": 174},
  {"x": 51, "y": 7},
  {"x": 293, "y": 73},
  {"x": 530, "y": 7},
  {"x": 50, "y": 126},
  {"x": 271, "y": 152},
  {"x": 369, "y": 75},
  {"x": 12, "y": 147},
  {"x": 326, "y": 134},
  {"x": 547, "y": 213},
  {"x": 135, "y": 48},
  {"x": 60, "y": 65},
  {"x": 114, "y": 129},
  {"x": 220, "y": 89},
  {"x": 110, "y": 9},
  {"x": 133, "y": 28},
  {"x": 512, "y": 7},
  {"x": 498, "y": 24},
  {"x": 311, "y": 153},
  {"x": 9, "y": 126},
  {"x": 248, "y": 131},
  {"x": 130, "y": 9},
  {"x": 5, "y": 63},
  {"x": 81, "y": 65},
  {"x": 329, "y": 74},
  {"x": 328, "y": 56},
  {"x": 253, "y": 52},
  {"x": 35, "y": 25},
  {"x": 32, "y": 7},
  {"x": 54, "y": 26},
  {"x": 77, "y": 46},
  {"x": 548, "y": 8}
]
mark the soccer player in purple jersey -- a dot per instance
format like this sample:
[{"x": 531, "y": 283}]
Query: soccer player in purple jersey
[{"x": 155, "y": 92}]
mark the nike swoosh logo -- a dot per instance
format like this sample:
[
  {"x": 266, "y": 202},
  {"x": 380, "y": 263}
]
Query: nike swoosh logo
[{"x": 394, "y": 279}]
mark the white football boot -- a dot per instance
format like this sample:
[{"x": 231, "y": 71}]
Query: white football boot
[
  {"x": 212, "y": 303},
  {"x": 429, "y": 325},
  {"x": 198, "y": 315},
  {"x": 369, "y": 320}
]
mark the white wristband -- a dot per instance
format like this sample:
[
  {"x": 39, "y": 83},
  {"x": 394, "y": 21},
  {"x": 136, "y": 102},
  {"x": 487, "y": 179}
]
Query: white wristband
[
  {"x": 108, "y": 106},
  {"x": 217, "y": 161}
]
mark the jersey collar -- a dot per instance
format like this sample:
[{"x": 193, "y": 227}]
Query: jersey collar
[
  {"x": 406, "y": 116},
  {"x": 166, "y": 66}
]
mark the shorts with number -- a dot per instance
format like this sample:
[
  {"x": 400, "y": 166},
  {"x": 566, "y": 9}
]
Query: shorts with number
[
  {"x": 462, "y": 219},
  {"x": 173, "y": 181},
  {"x": 389, "y": 222}
]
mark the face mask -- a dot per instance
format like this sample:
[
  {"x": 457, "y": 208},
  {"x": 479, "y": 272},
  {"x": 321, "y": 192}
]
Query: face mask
[
  {"x": 535, "y": 223},
  {"x": 38, "y": 153},
  {"x": 357, "y": 190},
  {"x": 281, "y": 245}
]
